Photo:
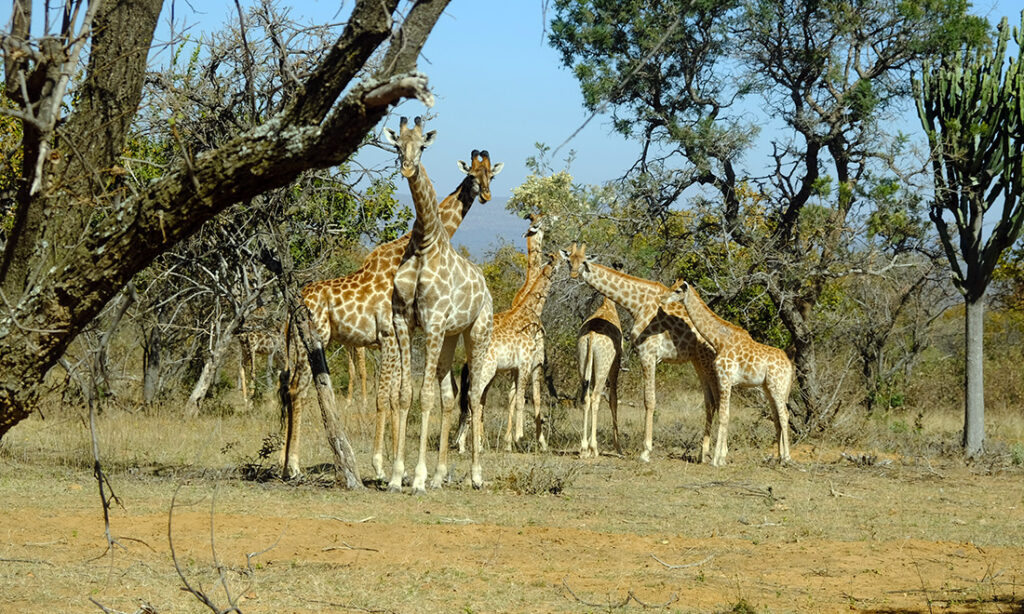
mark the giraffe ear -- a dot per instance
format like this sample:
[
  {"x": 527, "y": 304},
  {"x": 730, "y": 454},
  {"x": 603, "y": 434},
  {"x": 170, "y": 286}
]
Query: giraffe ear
[
  {"x": 465, "y": 168},
  {"x": 390, "y": 136},
  {"x": 497, "y": 168},
  {"x": 428, "y": 138}
]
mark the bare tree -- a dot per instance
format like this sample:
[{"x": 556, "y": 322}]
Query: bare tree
[{"x": 79, "y": 236}]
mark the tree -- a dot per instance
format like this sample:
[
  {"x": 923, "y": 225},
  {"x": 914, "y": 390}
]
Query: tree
[
  {"x": 78, "y": 236},
  {"x": 693, "y": 82},
  {"x": 971, "y": 105}
]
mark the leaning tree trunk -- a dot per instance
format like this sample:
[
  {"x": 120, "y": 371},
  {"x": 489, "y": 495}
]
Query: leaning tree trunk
[{"x": 974, "y": 397}]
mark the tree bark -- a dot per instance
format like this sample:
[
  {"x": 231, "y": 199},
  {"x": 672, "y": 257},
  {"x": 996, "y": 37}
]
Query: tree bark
[
  {"x": 151, "y": 365},
  {"x": 974, "y": 397}
]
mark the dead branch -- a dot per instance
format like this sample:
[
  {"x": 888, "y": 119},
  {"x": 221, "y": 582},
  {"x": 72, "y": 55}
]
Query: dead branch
[
  {"x": 835, "y": 493},
  {"x": 685, "y": 565},
  {"x": 745, "y": 488},
  {"x": 27, "y": 561},
  {"x": 347, "y": 546},
  {"x": 630, "y": 596},
  {"x": 198, "y": 593},
  {"x": 144, "y": 608},
  {"x": 349, "y": 606}
]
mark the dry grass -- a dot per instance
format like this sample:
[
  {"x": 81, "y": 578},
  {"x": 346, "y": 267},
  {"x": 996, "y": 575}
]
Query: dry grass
[{"x": 879, "y": 515}]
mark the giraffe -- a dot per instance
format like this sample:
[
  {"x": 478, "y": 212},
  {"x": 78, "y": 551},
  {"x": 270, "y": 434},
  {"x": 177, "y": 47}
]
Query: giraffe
[
  {"x": 599, "y": 349},
  {"x": 740, "y": 362},
  {"x": 513, "y": 348},
  {"x": 659, "y": 334},
  {"x": 534, "y": 264},
  {"x": 356, "y": 311},
  {"x": 446, "y": 295}
]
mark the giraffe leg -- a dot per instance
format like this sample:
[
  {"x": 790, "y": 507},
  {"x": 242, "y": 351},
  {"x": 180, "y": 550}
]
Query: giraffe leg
[
  {"x": 512, "y": 391},
  {"x": 293, "y": 421},
  {"x": 600, "y": 379},
  {"x": 613, "y": 404},
  {"x": 476, "y": 342},
  {"x": 361, "y": 366},
  {"x": 648, "y": 364},
  {"x": 522, "y": 376},
  {"x": 721, "y": 444},
  {"x": 401, "y": 397},
  {"x": 386, "y": 408},
  {"x": 444, "y": 379},
  {"x": 350, "y": 393},
  {"x": 776, "y": 393},
  {"x": 428, "y": 394},
  {"x": 710, "y": 405},
  {"x": 538, "y": 417}
]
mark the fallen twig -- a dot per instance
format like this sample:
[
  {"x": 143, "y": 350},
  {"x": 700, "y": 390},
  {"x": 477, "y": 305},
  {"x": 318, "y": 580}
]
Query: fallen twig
[
  {"x": 685, "y": 565},
  {"x": 346, "y": 546},
  {"x": 27, "y": 561},
  {"x": 835, "y": 493},
  {"x": 630, "y": 596}
]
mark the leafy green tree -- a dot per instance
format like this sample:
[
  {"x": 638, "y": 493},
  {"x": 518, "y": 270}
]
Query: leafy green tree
[
  {"x": 971, "y": 105},
  {"x": 693, "y": 82}
]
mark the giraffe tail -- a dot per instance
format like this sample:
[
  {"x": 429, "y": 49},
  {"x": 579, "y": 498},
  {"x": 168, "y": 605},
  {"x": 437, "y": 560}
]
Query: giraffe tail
[
  {"x": 588, "y": 368},
  {"x": 464, "y": 411}
]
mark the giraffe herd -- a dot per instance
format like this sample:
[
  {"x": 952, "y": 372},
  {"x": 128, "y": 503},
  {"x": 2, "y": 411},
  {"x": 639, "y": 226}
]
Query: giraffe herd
[{"x": 420, "y": 281}]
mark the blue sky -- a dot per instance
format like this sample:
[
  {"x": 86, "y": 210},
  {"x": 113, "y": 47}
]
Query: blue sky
[{"x": 498, "y": 86}]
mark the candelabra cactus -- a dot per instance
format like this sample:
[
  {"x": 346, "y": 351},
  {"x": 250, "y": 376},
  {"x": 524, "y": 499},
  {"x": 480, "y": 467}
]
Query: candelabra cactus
[{"x": 971, "y": 105}]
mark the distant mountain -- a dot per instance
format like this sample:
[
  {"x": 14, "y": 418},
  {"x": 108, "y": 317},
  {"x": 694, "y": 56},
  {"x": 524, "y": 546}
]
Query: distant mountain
[{"x": 486, "y": 228}]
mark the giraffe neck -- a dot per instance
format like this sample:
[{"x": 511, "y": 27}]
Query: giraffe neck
[
  {"x": 428, "y": 227},
  {"x": 457, "y": 204},
  {"x": 634, "y": 294},
  {"x": 717, "y": 331},
  {"x": 533, "y": 265}
]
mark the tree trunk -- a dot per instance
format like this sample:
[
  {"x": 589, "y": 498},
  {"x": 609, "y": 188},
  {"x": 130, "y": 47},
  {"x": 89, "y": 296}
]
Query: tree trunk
[
  {"x": 974, "y": 398},
  {"x": 211, "y": 367},
  {"x": 151, "y": 365}
]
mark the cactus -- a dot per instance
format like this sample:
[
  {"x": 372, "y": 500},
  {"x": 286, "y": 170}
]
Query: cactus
[{"x": 972, "y": 109}]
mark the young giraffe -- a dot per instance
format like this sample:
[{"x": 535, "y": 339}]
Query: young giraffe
[
  {"x": 355, "y": 310},
  {"x": 659, "y": 334},
  {"x": 445, "y": 294},
  {"x": 599, "y": 349},
  {"x": 534, "y": 264},
  {"x": 740, "y": 362},
  {"x": 513, "y": 349}
]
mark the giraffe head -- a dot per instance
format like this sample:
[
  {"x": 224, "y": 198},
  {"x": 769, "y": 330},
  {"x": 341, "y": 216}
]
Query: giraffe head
[
  {"x": 481, "y": 170},
  {"x": 676, "y": 293},
  {"x": 577, "y": 257},
  {"x": 410, "y": 143}
]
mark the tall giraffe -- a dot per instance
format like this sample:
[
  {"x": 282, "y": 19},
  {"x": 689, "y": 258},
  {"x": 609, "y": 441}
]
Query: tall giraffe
[
  {"x": 513, "y": 348},
  {"x": 599, "y": 350},
  {"x": 659, "y": 334},
  {"x": 447, "y": 296},
  {"x": 740, "y": 362},
  {"x": 355, "y": 310}
]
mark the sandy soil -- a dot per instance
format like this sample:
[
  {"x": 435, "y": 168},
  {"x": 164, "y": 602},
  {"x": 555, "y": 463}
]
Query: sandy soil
[{"x": 827, "y": 535}]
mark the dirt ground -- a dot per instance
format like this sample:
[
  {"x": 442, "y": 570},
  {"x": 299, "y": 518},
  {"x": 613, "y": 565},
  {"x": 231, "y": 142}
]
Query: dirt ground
[{"x": 831, "y": 533}]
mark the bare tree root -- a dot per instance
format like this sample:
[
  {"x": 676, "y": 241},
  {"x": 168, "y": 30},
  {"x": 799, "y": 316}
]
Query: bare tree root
[{"x": 630, "y": 596}]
